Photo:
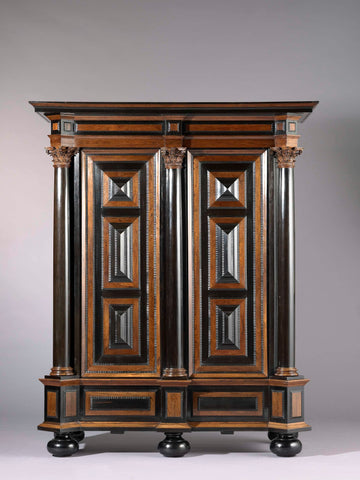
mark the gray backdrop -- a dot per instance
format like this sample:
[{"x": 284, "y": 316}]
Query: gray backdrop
[{"x": 188, "y": 50}]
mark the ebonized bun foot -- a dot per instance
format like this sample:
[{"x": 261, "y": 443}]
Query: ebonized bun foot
[
  {"x": 286, "y": 445},
  {"x": 273, "y": 435},
  {"x": 77, "y": 436},
  {"x": 62, "y": 445},
  {"x": 174, "y": 445}
]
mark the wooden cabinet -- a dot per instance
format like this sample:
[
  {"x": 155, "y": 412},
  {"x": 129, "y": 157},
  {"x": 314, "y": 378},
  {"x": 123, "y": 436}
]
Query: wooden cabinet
[{"x": 174, "y": 271}]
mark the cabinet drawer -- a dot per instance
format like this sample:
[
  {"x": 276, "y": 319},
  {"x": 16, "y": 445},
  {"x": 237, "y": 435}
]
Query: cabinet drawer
[
  {"x": 120, "y": 403},
  {"x": 227, "y": 404}
]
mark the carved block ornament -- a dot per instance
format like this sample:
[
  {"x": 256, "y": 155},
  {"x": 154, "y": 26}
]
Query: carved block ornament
[
  {"x": 173, "y": 157},
  {"x": 286, "y": 156},
  {"x": 61, "y": 156}
]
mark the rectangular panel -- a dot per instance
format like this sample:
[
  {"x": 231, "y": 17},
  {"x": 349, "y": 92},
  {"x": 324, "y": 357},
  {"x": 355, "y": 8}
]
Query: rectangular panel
[
  {"x": 296, "y": 409},
  {"x": 277, "y": 404},
  {"x": 120, "y": 403},
  {"x": 51, "y": 404},
  {"x": 228, "y": 404},
  {"x": 121, "y": 260},
  {"x": 227, "y": 211},
  {"x": 70, "y": 404},
  {"x": 174, "y": 404}
]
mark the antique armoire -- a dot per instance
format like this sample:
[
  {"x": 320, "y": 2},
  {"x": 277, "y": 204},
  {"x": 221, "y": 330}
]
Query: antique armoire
[{"x": 174, "y": 292}]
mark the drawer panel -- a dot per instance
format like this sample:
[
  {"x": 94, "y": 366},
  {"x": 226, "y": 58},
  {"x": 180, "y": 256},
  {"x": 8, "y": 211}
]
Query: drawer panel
[
  {"x": 120, "y": 403},
  {"x": 227, "y": 404}
]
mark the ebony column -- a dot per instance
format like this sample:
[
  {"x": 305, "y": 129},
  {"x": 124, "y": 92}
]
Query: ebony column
[
  {"x": 286, "y": 157},
  {"x": 61, "y": 294},
  {"x": 173, "y": 264}
]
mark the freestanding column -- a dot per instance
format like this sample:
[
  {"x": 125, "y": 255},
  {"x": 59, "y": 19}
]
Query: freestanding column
[
  {"x": 286, "y": 157},
  {"x": 61, "y": 317},
  {"x": 173, "y": 271}
]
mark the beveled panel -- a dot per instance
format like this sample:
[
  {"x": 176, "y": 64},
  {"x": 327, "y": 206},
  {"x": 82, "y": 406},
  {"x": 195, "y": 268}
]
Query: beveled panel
[
  {"x": 120, "y": 188},
  {"x": 121, "y": 326},
  {"x": 227, "y": 252},
  {"x": 227, "y": 326},
  {"x": 121, "y": 252},
  {"x": 226, "y": 189}
]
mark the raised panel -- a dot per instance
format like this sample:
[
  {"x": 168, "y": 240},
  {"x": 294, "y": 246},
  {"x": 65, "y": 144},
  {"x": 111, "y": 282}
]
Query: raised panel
[
  {"x": 227, "y": 252},
  {"x": 121, "y": 326},
  {"x": 121, "y": 252},
  {"x": 227, "y": 212},
  {"x": 120, "y": 188},
  {"x": 227, "y": 327},
  {"x": 121, "y": 306},
  {"x": 226, "y": 189}
]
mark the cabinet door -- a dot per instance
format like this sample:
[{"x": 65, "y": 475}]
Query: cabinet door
[
  {"x": 227, "y": 257},
  {"x": 120, "y": 305}
]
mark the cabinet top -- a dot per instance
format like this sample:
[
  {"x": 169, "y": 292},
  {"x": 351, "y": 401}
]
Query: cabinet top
[{"x": 303, "y": 109}]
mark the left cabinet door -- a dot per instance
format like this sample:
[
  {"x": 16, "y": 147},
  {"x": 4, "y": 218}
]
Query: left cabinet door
[{"x": 120, "y": 263}]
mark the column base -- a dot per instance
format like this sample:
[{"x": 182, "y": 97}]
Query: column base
[
  {"x": 174, "y": 373},
  {"x": 61, "y": 371},
  {"x": 286, "y": 372}
]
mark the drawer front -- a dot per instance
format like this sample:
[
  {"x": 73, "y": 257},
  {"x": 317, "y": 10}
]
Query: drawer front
[
  {"x": 120, "y": 403},
  {"x": 227, "y": 404}
]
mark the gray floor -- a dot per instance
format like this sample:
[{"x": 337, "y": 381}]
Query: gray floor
[{"x": 331, "y": 450}]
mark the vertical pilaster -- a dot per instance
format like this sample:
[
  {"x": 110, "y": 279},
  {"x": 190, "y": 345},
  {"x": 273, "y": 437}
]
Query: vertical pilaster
[
  {"x": 173, "y": 270},
  {"x": 286, "y": 156},
  {"x": 62, "y": 157}
]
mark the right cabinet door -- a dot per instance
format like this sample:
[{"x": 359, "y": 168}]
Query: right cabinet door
[{"x": 227, "y": 263}]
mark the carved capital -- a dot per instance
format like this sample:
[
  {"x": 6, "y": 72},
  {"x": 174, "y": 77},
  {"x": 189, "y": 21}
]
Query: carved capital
[
  {"x": 173, "y": 157},
  {"x": 286, "y": 156},
  {"x": 61, "y": 156}
]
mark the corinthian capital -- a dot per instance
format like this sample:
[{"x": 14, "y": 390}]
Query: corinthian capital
[
  {"x": 173, "y": 157},
  {"x": 286, "y": 156},
  {"x": 61, "y": 156}
]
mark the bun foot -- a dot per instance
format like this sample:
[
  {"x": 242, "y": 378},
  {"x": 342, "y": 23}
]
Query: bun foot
[
  {"x": 273, "y": 435},
  {"x": 62, "y": 445},
  {"x": 286, "y": 445},
  {"x": 174, "y": 445},
  {"x": 77, "y": 436}
]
